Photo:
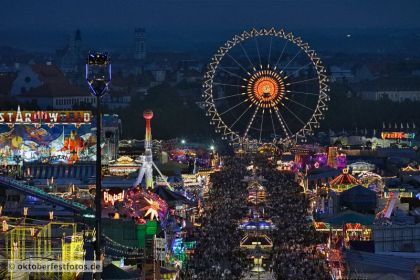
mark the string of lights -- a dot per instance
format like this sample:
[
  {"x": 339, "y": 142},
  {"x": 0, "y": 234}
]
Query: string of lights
[
  {"x": 122, "y": 249},
  {"x": 122, "y": 253}
]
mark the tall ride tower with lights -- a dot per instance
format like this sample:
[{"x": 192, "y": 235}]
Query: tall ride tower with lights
[
  {"x": 148, "y": 115},
  {"x": 147, "y": 163},
  {"x": 147, "y": 159}
]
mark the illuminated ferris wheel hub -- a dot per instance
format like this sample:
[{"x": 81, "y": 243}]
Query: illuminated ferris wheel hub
[{"x": 265, "y": 88}]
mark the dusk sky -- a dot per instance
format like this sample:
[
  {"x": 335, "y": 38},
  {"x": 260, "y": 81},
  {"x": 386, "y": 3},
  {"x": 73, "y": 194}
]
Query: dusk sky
[{"x": 47, "y": 24}]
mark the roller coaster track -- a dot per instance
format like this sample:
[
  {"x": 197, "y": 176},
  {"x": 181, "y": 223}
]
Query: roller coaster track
[{"x": 20, "y": 186}]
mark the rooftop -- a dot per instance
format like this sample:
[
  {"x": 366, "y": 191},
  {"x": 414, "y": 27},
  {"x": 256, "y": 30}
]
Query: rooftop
[
  {"x": 63, "y": 89},
  {"x": 390, "y": 84}
]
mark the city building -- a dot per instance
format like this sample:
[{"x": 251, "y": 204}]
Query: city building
[
  {"x": 340, "y": 74},
  {"x": 6, "y": 81},
  {"x": 393, "y": 95},
  {"x": 73, "y": 59},
  {"x": 393, "y": 89},
  {"x": 140, "y": 43},
  {"x": 46, "y": 86}
]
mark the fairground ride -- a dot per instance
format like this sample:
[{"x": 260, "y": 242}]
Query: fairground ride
[{"x": 265, "y": 86}]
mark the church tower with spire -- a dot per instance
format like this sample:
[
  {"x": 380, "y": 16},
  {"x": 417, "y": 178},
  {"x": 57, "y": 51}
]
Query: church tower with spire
[
  {"x": 73, "y": 58},
  {"x": 139, "y": 44}
]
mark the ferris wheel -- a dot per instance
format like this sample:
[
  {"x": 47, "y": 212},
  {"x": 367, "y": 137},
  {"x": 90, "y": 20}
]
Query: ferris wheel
[{"x": 265, "y": 86}]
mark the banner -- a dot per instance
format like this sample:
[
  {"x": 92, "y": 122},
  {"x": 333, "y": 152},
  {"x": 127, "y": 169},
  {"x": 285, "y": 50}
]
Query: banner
[{"x": 45, "y": 117}]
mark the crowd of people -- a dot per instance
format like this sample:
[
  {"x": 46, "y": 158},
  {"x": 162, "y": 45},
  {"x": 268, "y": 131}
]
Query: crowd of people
[
  {"x": 218, "y": 254},
  {"x": 294, "y": 254}
]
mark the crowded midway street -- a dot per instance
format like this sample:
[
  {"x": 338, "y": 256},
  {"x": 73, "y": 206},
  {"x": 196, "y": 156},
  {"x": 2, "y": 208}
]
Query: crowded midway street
[
  {"x": 290, "y": 248},
  {"x": 218, "y": 254}
]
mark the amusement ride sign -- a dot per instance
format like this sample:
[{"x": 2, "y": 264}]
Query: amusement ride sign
[
  {"x": 111, "y": 197},
  {"x": 397, "y": 135},
  {"x": 45, "y": 117}
]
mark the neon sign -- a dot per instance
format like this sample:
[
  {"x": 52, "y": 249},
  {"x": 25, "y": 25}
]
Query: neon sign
[
  {"x": 397, "y": 135},
  {"x": 401, "y": 194},
  {"x": 45, "y": 117},
  {"x": 112, "y": 198}
]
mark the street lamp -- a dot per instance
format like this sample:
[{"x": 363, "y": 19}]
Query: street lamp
[
  {"x": 98, "y": 77},
  {"x": 183, "y": 141}
]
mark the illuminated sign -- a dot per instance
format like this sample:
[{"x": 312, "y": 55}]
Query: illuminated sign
[
  {"x": 112, "y": 198},
  {"x": 397, "y": 135},
  {"x": 45, "y": 117},
  {"x": 301, "y": 151},
  {"x": 401, "y": 194},
  {"x": 353, "y": 227}
]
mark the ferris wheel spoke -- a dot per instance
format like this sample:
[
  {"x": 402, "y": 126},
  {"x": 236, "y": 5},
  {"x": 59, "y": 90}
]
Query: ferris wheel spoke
[
  {"x": 283, "y": 124},
  {"x": 296, "y": 116},
  {"x": 233, "y": 107},
  {"x": 298, "y": 70},
  {"x": 303, "y": 92},
  {"x": 262, "y": 120},
  {"x": 249, "y": 107},
  {"x": 302, "y": 81},
  {"x": 281, "y": 55},
  {"x": 231, "y": 73},
  {"x": 290, "y": 61},
  {"x": 229, "y": 96},
  {"x": 229, "y": 85},
  {"x": 269, "y": 52},
  {"x": 272, "y": 123},
  {"x": 298, "y": 103},
  {"x": 247, "y": 56},
  {"x": 258, "y": 52},
  {"x": 237, "y": 63},
  {"x": 251, "y": 121}
]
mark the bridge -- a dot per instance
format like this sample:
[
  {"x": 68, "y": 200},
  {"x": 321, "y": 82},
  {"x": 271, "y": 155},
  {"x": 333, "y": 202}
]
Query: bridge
[{"x": 6, "y": 182}]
